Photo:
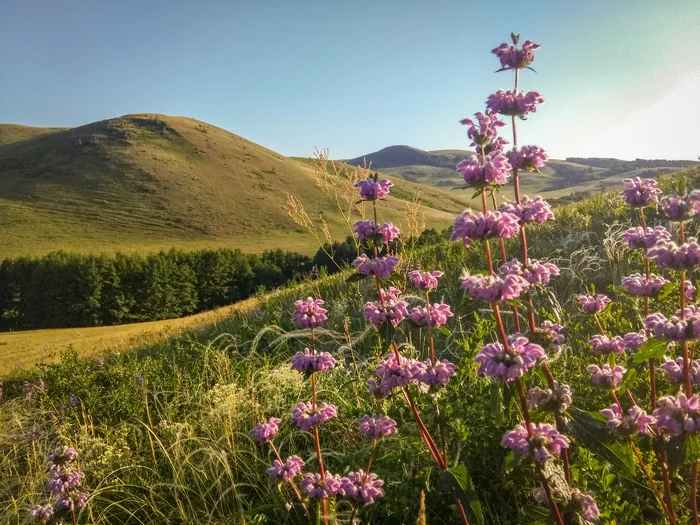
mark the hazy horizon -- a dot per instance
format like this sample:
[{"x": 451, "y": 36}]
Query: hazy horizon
[{"x": 619, "y": 80}]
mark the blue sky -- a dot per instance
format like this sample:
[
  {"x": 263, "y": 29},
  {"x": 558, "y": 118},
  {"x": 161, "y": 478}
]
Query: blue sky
[{"x": 620, "y": 78}]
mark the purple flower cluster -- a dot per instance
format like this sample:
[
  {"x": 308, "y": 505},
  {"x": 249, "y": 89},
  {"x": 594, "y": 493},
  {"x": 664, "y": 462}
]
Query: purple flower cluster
[
  {"x": 679, "y": 414},
  {"x": 308, "y": 362},
  {"x": 514, "y": 103},
  {"x": 676, "y": 370},
  {"x": 309, "y": 313},
  {"x": 286, "y": 471},
  {"x": 495, "y": 171},
  {"x": 305, "y": 417},
  {"x": 529, "y": 158},
  {"x": 643, "y": 239},
  {"x": 42, "y": 512},
  {"x": 508, "y": 365},
  {"x": 513, "y": 58},
  {"x": 546, "y": 441},
  {"x": 439, "y": 373},
  {"x": 393, "y": 311},
  {"x": 535, "y": 272},
  {"x": 491, "y": 288},
  {"x": 529, "y": 211},
  {"x": 362, "y": 487},
  {"x": 471, "y": 225},
  {"x": 316, "y": 488},
  {"x": 486, "y": 133},
  {"x": 394, "y": 374},
  {"x": 639, "y": 286},
  {"x": 549, "y": 336},
  {"x": 433, "y": 316},
  {"x": 675, "y": 329},
  {"x": 372, "y": 190},
  {"x": 607, "y": 377},
  {"x": 636, "y": 421},
  {"x": 602, "y": 344},
  {"x": 425, "y": 280},
  {"x": 678, "y": 209},
  {"x": 264, "y": 432},
  {"x": 633, "y": 340},
  {"x": 691, "y": 293},
  {"x": 369, "y": 230},
  {"x": 593, "y": 305},
  {"x": 669, "y": 255},
  {"x": 639, "y": 193},
  {"x": 381, "y": 267},
  {"x": 64, "y": 480},
  {"x": 556, "y": 401},
  {"x": 377, "y": 425}
]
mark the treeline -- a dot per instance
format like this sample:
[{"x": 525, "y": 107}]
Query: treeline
[{"x": 69, "y": 290}]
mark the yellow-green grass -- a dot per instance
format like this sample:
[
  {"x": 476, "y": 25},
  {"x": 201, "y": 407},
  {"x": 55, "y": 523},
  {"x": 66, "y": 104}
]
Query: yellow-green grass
[
  {"x": 10, "y": 133},
  {"x": 27, "y": 348},
  {"x": 149, "y": 182}
]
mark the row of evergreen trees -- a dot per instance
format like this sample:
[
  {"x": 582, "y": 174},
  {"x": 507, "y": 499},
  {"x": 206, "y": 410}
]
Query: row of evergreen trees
[{"x": 67, "y": 290}]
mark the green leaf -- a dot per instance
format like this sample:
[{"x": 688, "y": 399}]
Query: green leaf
[
  {"x": 497, "y": 402},
  {"x": 356, "y": 277},
  {"x": 666, "y": 290},
  {"x": 652, "y": 349},
  {"x": 534, "y": 515},
  {"x": 675, "y": 451},
  {"x": 692, "y": 448},
  {"x": 456, "y": 481},
  {"x": 628, "y": 379},
  {"x": 589, "y": 429}
]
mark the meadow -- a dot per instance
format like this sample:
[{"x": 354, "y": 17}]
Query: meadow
[{"x": 508, "y": 371}]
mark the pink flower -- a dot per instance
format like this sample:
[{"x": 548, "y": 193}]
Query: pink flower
[
  {"x": 607, "y": 378},
  {"x": 377, "y": 425},
  {"x": 491, "y": 288},
  {"x": 676, "y": 370},
  {"x": 635, "y": 421},
  {"x": 381, "y": 267},
  {"x": 593, "y": 305},
  {"x": 535, "y": 272},
  {"x": 556, "y": 401},
  {"x": 305, "y": 417},
  {"x": 471, "y": 225},
  {"x": 494, "y": 171},
  {"x": 384, "y": 233},
  {"x": 425, "y": 280},
  {"x": 307, "y": 362},
  {"x": 634, "y": 340},
  {"x": 285, "y": 471},
  {"x": 678, "y": 209},
  {"x": 392, "y": 311},
  {"x": 513, "y": 58},
  {"x": 640, "y": 238},
  {"x": 372, "y": 190},
  {"x": 602, "y": 344},
  {"x": 315, "y": 488},
  {"x": 678, "y": 415},
  {"x": 529, "y": 211},
  {"x": 546, "y": 441},
  {"x": 434, "y": 316},
  {"x": 436, "y": 374},
  {"x": 264, "y": 432},
  {"x": 640, "y": 193},
  {"x": 486, "y": 133},
  {"x": 549, "y": 336},
  {"x": 359, "y": 486},
  {"x": 669, "y": 255},
  {"x": 675, "y": 329},
  {"x": 309, "y": 313},
  {"x": 514, "y": 103},
  {"x": 529, "y": 158},
  {"x": 508, "y": 365},
  {"x": 394, "y": 374},
  {"x": 639, "y": 286}
]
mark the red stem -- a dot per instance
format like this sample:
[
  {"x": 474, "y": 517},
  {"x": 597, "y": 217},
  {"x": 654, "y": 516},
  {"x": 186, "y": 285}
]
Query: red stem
[{"x": 291, "y": 481}]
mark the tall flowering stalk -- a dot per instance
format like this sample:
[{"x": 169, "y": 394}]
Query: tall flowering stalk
[{"x": 64, "y": 485}]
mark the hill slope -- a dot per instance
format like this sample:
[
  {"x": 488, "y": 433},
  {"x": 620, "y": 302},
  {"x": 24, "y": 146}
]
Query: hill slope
[
  {"x": 148, "y": 182},
  {"x": 558, "y": 178},
  {"x": 10, "y": 133}
]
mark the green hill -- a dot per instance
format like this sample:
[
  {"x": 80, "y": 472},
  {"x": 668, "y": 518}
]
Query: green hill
[{"x": 149, "y": 182}]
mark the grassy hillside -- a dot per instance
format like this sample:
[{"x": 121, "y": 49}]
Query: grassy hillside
[
  {"x": 10, "y": 133},
  {"x": 149, "y": 182},
  {"x": 558, "y": 179}
]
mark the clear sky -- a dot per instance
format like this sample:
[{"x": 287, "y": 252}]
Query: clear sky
[{"x": 620, "y": 77}]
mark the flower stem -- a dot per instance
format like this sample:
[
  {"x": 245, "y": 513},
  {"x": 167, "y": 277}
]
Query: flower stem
[
  {"x": 291, "y": 481},
  {"x": 667, "y": 488}
]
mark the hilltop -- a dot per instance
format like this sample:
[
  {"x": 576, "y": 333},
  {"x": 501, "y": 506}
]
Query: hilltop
[
  {"x": 148, "y": 182},
  {"x": 558, "y": 178}
]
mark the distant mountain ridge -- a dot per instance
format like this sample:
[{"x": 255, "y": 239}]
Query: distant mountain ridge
[{"x": 558, "y": 177}]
